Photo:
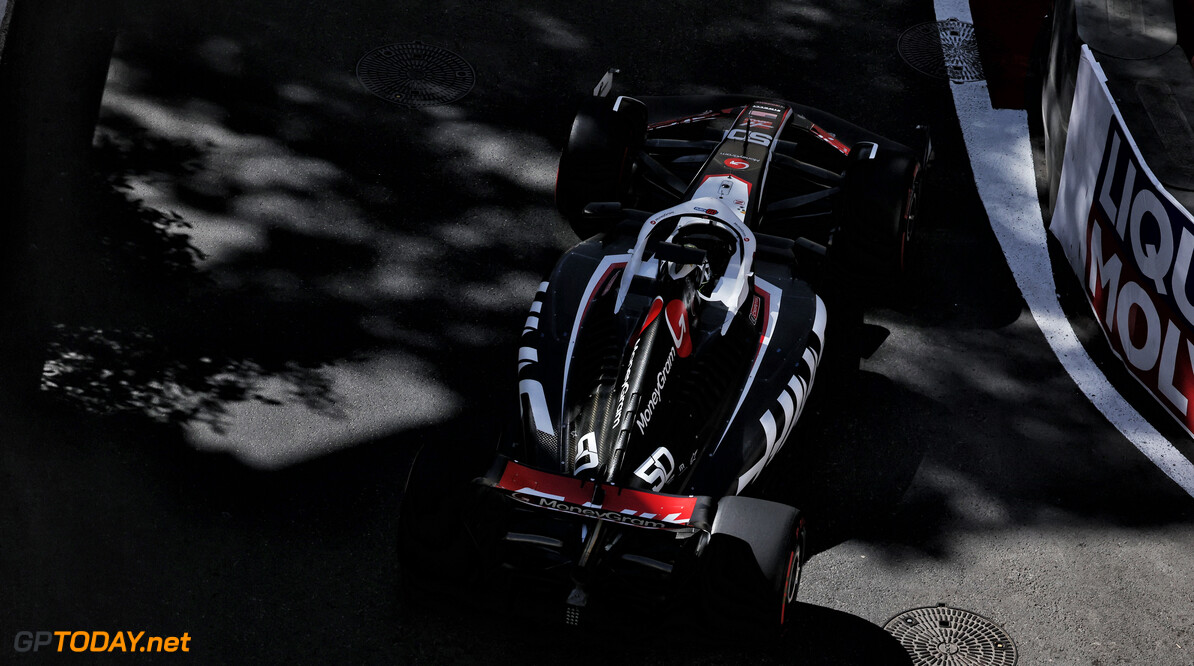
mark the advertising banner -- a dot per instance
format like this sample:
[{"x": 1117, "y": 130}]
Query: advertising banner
[{"x": 1131, "y": 245}]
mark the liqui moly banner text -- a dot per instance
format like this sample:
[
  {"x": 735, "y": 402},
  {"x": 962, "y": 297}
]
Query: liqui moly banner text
[{"x": 1130, "y": 243}]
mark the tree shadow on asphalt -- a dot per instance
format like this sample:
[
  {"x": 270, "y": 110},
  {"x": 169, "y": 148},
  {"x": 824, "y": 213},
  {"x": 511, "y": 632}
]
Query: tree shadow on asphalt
[{"x": 321, "y": 252}]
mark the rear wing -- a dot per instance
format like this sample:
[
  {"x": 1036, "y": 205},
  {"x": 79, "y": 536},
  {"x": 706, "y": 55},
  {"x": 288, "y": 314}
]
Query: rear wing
[{"x": 603, "y": 501}]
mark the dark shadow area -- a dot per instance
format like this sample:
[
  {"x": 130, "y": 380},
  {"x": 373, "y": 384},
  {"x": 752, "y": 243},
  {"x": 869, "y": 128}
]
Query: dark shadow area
[
  {"x": 849, "y": 470},
  {"x": 855, "y": 642}
]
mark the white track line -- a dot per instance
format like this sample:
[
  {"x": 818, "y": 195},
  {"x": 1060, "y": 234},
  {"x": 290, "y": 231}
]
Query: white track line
[{"x": 1001, "y": 158}]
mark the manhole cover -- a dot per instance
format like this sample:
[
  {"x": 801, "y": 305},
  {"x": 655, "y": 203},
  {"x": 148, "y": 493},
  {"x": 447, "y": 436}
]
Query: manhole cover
[
  {"x": 944, "y": 49},
  {"x": 943, "y": 636},
  {"x": 415, "y": 74}
]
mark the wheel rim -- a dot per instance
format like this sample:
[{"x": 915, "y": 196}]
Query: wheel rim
[
  {"x": 909, "y": 220},
  {"x": 903, "y": 252},
  {"x": 795, "y": 564},
  {"x": 792, "y": 576}
]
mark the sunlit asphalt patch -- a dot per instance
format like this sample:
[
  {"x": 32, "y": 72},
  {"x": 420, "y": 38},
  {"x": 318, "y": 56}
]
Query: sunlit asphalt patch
[{"x": 1001, "y": 158}]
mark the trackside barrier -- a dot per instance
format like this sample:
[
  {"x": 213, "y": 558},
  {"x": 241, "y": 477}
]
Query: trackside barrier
[{"x": 1130, "y": 243}]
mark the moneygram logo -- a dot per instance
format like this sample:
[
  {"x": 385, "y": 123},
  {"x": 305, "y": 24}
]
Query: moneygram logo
[{"x": 98, "y": 641}]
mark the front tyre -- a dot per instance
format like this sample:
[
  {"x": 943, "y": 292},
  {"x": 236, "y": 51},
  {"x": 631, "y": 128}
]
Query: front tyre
[
  {"x": 598, "y": 161},
  {"x": 792, "y": 574},
  {"x": 447, "y": 529},
  {"x": 876, "y": 208}
]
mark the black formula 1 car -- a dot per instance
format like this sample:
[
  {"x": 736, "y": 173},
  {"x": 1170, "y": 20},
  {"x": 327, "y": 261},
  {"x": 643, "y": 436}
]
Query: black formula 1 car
[{"x": 668, "y": 356}]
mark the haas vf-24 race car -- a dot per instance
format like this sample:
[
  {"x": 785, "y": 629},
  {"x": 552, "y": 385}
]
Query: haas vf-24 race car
[{"x": 669, "y": 355}]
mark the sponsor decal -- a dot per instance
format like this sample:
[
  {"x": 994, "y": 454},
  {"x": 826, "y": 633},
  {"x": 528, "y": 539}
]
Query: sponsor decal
[
  {"x": 735, "y": 163},
  {"x": 677, "y": 325},
  {"x": 620, "y": 505},
  {"x": 1136, "y": 253},
  {"x": 586, "y": 453},
  {"x": 648, "y": 410},
  {"x": 754, "y": 123},
  {"x": 762, "y": 114},
  {"x": 708, "y": 211},
  {"x": 626, "y": 384},
  {"x": 757, "y": 138},
  {"x": 754, "y": 309},
  {"x": 591, "y": 512},
  {"x": 654, "y": 470}
]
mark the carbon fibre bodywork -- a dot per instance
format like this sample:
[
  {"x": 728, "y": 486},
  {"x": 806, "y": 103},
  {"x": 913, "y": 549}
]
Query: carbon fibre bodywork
[
  {"x": 668, "y": 357},
  {"x": 720, "y": 412}
]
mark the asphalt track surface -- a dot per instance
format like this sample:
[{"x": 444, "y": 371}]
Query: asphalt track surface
[{"x": 398, "y": 248}]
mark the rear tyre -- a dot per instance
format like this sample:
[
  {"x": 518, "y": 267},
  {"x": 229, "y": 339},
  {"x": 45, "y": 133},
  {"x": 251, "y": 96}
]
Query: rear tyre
[
  {"x": 446, "y": 530},
  {"x": 597, "y": 162},
  {"x": 793, "y": 573},
  {"x": 877, "y": 208},
  {"x": 750, "y": 569}
]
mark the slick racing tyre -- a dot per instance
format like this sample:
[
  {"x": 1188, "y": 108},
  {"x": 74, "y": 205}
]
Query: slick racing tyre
[
  {"x": 597, "y": 162},
  {"x": 877, "y": 208},
  {"x": 446, "y": 530},
  {"x": 750, "y": 569}
]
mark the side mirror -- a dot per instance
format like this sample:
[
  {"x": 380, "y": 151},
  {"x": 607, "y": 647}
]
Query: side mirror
[{"x": 603, "y": 210}]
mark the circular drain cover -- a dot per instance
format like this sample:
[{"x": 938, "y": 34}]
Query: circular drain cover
[
  {"x": 944, "y": 49},
  {"x": 415, "y": 74},
  {"x": 943, "y": 636}
]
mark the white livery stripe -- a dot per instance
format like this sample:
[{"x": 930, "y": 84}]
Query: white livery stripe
[
  {"x": 540, "y": 416},
  {"x": 769, "y": 430},
  {"x": 811, "y": 360},
  {"x": 790, "y": 414},
  {"x": 751, "y": 473},
  {"x": 792, "y": 399},
  {"x": 539, "y": 493},
  {"x": 527, "y": 356}
]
